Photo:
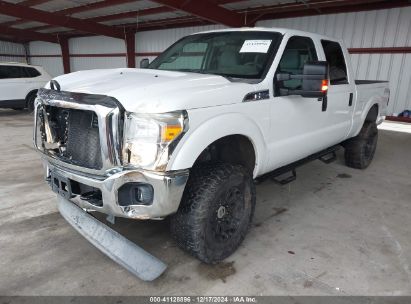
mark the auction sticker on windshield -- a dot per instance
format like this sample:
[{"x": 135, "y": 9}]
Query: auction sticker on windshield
[{"x": 255, "y": 46}]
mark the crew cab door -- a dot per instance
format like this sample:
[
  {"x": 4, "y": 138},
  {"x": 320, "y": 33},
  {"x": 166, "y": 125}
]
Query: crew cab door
[
  {"x": 341, "y": 91},
  {"x": 301, "y": 126}
]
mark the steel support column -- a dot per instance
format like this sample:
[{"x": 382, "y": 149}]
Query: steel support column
[
  {"x": 65, "y": 54},
  {"x": 131, "y": 49}
]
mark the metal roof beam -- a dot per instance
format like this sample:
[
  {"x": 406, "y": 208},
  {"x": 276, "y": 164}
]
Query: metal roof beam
[
  {"x": 207, "y": 10},
  {"x": 92, "y": 6},
  {"x": 285, "y": 10},
  {"x": 133, "y": 14},
  {"x": 25, "y": 3},
  {"x": 68, "y": 11},
  {"x": 27, "y": 34},
  {"x": 33, "y": 2},
  {"x": 130, "y": 14},
  {"x": 326, "y": 7},
  {"x": 28, "y": 13}
]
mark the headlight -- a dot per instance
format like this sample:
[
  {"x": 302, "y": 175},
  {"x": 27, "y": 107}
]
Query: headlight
[{"x": 150, "y": 138}]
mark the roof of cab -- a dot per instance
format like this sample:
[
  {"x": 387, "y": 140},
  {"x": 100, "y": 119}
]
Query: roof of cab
[{"x": 273, "y": 29}]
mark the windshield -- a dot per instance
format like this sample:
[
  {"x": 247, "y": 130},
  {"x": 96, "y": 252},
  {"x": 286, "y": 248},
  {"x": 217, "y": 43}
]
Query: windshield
[{"x": 231, "y": 54}]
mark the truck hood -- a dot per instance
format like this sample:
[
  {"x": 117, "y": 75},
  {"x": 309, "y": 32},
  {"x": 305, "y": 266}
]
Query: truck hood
[{"x": 155, "y": 91}]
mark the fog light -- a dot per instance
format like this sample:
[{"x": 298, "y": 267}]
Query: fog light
[{"x": 135, "y": 194}]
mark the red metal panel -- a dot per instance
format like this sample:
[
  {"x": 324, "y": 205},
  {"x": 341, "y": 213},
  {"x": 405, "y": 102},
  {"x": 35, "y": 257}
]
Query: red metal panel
[
  {"x": 207, "y": 10},
  {"x": 381, "y": 50},
  {"x": 401, "y": 119},
  {"x": 27, "y": 13}
]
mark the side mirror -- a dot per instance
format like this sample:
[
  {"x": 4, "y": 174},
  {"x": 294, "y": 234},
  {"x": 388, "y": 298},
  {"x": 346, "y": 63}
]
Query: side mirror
[
  {"x": 314, "y": 81},
  {"x": 144, "y": 63}
]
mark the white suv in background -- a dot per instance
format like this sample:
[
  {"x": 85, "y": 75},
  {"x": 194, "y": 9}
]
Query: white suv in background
[{"x": 19, "y": 83}]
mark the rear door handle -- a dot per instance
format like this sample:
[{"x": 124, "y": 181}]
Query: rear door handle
[{"x": 350, "y": 100}]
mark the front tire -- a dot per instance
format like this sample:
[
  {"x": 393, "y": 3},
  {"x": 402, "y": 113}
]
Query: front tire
[
  {"x": 360, "y": 150},
  {"x": 215, "y": 212},
  {"x": 30, "y": 102}
]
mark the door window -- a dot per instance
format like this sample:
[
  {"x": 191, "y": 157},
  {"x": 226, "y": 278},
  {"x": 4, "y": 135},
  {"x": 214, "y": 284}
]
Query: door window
[
  {"x": 9, "y": 72},
  {"x": 32, "y": 72},
  {"x": 336, "y": 61},
  {"x": 299, "y": 50}
]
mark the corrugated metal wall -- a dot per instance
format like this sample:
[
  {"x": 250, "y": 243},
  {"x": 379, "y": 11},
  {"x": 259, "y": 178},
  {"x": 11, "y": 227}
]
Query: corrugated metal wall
[
  {"x": 371, "y": 29},
  {"x": 47, "y": 55},
  {"x": 97, "y": 45},
  {"x": 380, "y": 28},
  {"x": 8, "y": 49}
]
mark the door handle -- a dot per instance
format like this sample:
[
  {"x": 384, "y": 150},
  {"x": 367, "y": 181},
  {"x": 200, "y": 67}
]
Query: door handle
[{"x": 350, "y": 100}]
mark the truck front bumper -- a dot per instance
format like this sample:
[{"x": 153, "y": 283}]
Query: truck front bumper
[
  {"x": 166, "y": 191},
  {"x": 110, "y": 242}
]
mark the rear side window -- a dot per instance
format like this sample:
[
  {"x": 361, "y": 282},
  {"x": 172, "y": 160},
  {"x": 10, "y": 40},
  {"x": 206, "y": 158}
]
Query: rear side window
[
  {"x": 32, "y": 72},
  {"x": 8, "y": 72},
  {"x": 336, "y": 61},
  {"x": 298, "y": 51}
]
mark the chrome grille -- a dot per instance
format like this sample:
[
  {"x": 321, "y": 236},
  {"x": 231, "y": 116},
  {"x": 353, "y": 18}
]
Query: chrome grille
[
  {"x": 83, "y": 142},
  {"x": 79, "y": 131}
]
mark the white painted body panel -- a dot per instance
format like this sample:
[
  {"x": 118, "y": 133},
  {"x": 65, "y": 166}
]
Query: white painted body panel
[
  {"x": 154, "y": 91},
  {"x": 281, "y": 129}
]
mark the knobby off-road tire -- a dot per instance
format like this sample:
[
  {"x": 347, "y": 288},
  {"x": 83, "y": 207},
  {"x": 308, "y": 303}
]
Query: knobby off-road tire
[
  {"x": 360, "y": 150},
  {"x": 215, "y": 212}
]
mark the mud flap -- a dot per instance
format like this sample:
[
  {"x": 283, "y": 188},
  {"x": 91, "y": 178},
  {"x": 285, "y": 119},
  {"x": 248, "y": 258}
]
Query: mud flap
[{"x": 114, "y": 245}]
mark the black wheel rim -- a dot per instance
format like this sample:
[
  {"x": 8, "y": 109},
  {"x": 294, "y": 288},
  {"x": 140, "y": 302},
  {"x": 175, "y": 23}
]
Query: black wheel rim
[{"x": 228, "y": 214}]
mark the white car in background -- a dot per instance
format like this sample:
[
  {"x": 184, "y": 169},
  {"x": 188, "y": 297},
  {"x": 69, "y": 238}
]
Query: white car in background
[{"x": 19, "y": 83}]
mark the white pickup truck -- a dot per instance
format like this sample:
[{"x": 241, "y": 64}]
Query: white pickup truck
[{"x": 188, "y": 135}]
